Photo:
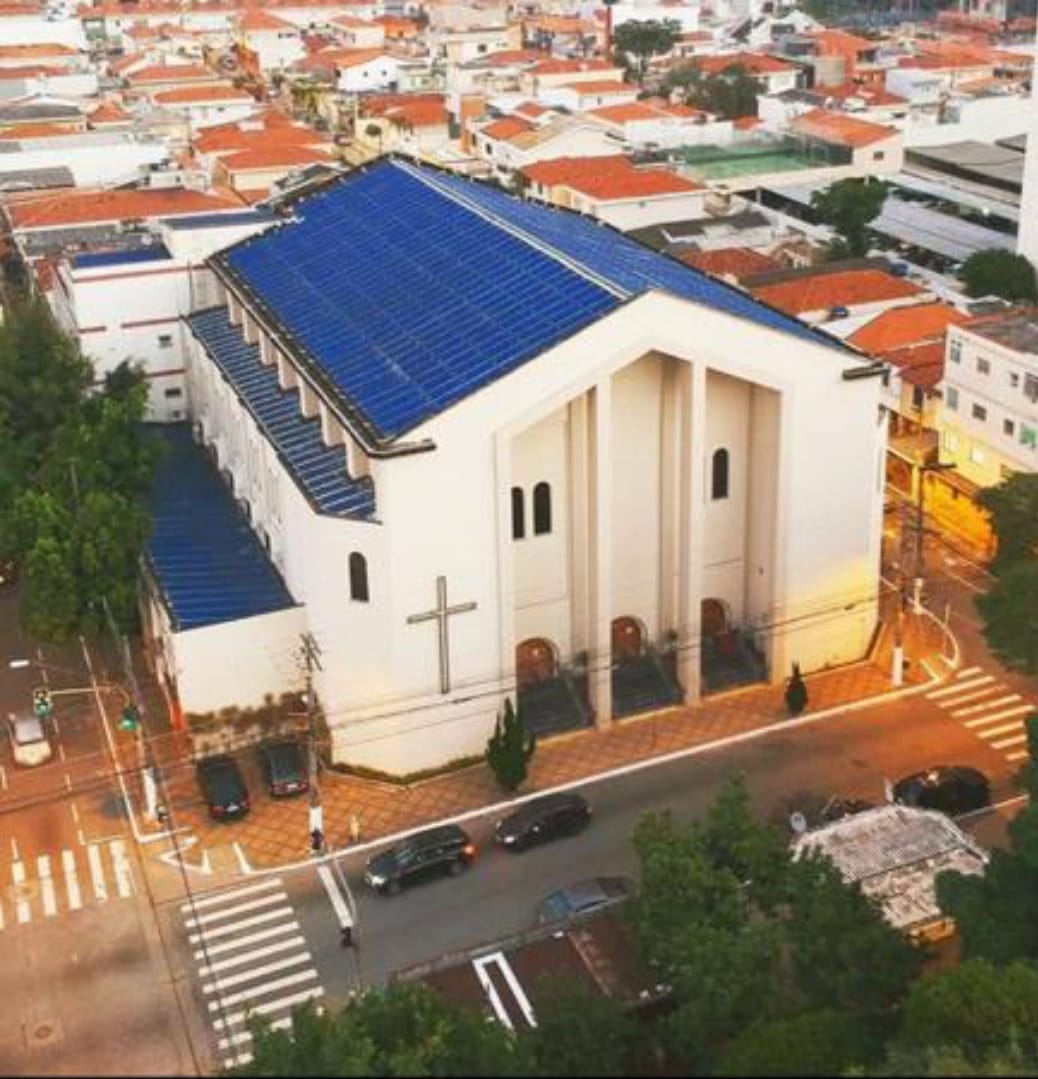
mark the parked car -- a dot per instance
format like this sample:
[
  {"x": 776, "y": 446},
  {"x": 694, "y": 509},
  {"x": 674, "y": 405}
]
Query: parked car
[
  {"x": 952, "y": 789},
  {"x": 29, "y": 742},
  {"x": 421, "y": 856},
  {"x": 583, "y": 897},
  {"x": 543, "y": 819},
  {"x": 285, "y": 767},
  {"x": 223, "y": 786}
]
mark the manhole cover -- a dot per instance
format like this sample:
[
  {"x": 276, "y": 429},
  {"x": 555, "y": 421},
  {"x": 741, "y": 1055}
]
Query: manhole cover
[{"x": 45, "y": 1032}]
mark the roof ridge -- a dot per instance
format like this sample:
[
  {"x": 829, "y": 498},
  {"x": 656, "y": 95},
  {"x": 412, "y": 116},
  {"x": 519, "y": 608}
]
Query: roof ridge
[{"x": 514, "y": 230}]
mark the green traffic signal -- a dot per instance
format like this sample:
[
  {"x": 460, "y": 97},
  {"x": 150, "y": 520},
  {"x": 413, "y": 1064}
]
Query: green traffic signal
[
  {"x": 41, "y": 703},
  {"x": 131, "y": 718}
]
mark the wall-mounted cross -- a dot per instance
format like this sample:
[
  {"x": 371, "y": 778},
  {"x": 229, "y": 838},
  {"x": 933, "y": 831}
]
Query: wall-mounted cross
[{"x": 440, "y": 613}]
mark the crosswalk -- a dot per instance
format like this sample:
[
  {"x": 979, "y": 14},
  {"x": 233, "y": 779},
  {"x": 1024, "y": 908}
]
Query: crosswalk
[
  {"x": 988, "y": 708},
  {"x": 252, "y": 960},
  {"x": 50, "y": 885}
]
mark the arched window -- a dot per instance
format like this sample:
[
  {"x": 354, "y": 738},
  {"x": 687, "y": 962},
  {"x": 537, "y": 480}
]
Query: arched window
[
  {"x": 358, "y": 578},
  {"x": 518, "y": 514},
  {"x": 719, "y": 475},
  {"x": 541, "y": 509}
]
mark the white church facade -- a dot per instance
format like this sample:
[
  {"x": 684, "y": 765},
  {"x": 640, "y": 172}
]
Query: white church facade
[{"x": 489, "y": 447}]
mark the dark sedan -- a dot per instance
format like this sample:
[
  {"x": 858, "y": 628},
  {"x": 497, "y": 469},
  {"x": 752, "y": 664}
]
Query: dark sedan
[
  {"x": 543, "y": 819},
  {"x": 952, "y": 789},
  {"x": 285, "y": 768},
  {"x": 224, "y": 789}
]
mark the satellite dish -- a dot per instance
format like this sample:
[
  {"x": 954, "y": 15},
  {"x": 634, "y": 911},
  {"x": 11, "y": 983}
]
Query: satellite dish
[{"x": 798, "y": 822}]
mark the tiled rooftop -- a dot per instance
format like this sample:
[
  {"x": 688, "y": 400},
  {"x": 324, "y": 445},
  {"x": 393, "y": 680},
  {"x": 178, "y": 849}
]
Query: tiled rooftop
[{"x": 849, "y": 288}]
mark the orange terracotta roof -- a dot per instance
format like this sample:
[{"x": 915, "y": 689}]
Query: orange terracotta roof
[
  {"x": 746, "y": 123},
  {"x": 754, "y": 62},
  {"x": 734, "y": 262},
  {"x": 271, "y": 157},
  {"x": 607, "y": 178},
  {"x": 419, "y": 113},
  {"x": 602, "y": 86},
  {"x": 871, "y": 95},
  {"x": 633, "y": 111},
  {"x": 907, "y": 325},
  {"x": 400, "y": 104},
  {"x": 919, "y": 365},
  {"x": 506, "y": 128},
  {"x": 349, "y": 57},
  {"x": 186, "y": 95},
  {"x": 842, "y": 41},
  {"x": 842, "y": 129},
  {"x": 848, "y": 288},
  {"x": 38, "y": 131},
  {"x": 253, "y": 22},
  {"x": 566, "y": 67},
  {"x": 30, "y": 71},
  {"x": 108, "y": 112},
  {"x": 533, "y": 109},
  {"x": 172, "y": 73},
  {"x": 561, "y": 24},
  {"x": 507, "y": 57},
  {"x": 36, "y": 52},
  {"x": 85, "y": 207}
]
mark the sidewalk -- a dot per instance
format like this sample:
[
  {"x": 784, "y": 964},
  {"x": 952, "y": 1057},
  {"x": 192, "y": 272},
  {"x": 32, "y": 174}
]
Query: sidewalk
[{"x": 275, "y": 833}]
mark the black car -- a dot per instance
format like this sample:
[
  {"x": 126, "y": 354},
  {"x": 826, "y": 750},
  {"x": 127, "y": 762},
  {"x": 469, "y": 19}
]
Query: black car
[
  {"x": 421, "y": 856},
  {"x": 285, "y": 767},
  {"x": 223, "y": 786},
  {"x": 952, "y": 789},
  {"x": 543, "y": 819}
]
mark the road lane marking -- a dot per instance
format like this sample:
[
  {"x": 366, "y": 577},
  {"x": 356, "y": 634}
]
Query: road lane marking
[
  {"x": 1018, "y": 755},
  {"x": 220, "y": 984},
  {"x": 237, "y": 1018},
  {"x": 954, "y": 702},
  {"x": 74, "y": 810},
  {"x": 973, "y": 709},
  {"x": 239, "y": 908},
  {"x": 213, "y": 900},
  {"x": 245, "y": 1036},
  {"x": 966, "y": 672},
  {"x": 223, "y": 930},
  {"x": 1019, "y": 710},
  {"x": 342, "y": 912},
  {"x": 22, "y": 904},
  {"x": 958, "y": 687},
  {"x": 1014, "y": 741},
  {"x": 123, "y": 872},
  {"x": 50, "y": 900},
  {"x": 97, "y": 873},
  {"x": 264, "y": 989},
  {"x": 994, "y": 732},
  {"x": 249, "y": 957},
  {"x": 251, "y": 938},
  {"x": 68, "y": 862},
  {"x": 14, "y": 850},
  {"x": 3, "y": 777}
]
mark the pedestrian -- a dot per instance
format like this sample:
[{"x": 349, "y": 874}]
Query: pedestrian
[
  {"x": 346, "y": 936},
  {"x": 354, "y": 828}
]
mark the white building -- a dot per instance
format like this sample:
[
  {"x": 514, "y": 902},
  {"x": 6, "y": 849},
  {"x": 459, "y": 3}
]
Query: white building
[
  {"x": 1027, "y": 237},
  {"x": 489, "y": 443}
]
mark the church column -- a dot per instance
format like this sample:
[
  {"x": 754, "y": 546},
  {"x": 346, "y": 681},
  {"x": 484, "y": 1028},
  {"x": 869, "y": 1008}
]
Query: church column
[
  {"x": 670, "y": 458},
  {"x": 505, "y": 562},
  {"x": 580, "y": 529},
  {"x": 692, "y": 525},
  {"x": 600, "y": 528}
]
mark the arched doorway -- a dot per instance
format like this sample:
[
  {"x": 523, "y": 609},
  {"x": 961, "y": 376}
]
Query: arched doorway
[
  {"x": 713, "y": 617},
  {"x": 628, "y": 638},
  {"x": 536, "y": 660}
]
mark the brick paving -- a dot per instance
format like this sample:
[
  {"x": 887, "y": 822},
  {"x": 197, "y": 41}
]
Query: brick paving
[{"x": 275, "y": 832}]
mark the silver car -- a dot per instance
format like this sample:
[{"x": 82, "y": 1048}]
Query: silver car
[
  {"x": 583, "y": 897},
  {"x": 29, "y": 742}
]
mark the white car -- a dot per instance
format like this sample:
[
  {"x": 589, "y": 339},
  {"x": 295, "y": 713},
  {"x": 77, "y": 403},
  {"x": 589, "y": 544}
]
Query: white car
[{"x": 29, "y": 742}]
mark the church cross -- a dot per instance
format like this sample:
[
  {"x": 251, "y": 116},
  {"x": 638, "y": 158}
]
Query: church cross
[{"x": 440, "y": 613}]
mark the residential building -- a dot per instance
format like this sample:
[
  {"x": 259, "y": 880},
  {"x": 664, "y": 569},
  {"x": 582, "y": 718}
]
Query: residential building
[{"x": 828, "y": 292}]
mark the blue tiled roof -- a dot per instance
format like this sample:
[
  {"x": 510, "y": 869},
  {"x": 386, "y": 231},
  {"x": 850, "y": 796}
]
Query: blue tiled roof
[
  {"x": 319, "y": 470},
  {"x": 206, "y": 559},
  {"x": 228, "y": 218},
  {"x": 406, "y": 289},
  {"x": 91, "y": 259}
]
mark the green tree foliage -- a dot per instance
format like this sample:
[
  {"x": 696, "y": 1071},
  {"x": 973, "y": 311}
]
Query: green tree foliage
[
  {"x": 1009, "y": 1060},
  {"x": 812, "y": 1043},
  {"x": 510, "y": 748},
  {"x": 973, "y": 1008},
  {"x": 796, "y": 692},
  {"x": 1013, "y": 505},
  {"x": 645, "y": 38},
  {"x": 730, "y": 93},
  {"x": 849, "y": 206},
  {"x": 1010, "y": 612},
  {"x": 998, "y": 272}
]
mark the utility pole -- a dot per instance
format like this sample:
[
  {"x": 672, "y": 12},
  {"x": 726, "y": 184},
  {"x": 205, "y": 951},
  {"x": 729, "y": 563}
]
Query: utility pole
[{"x": 310, "y": 655}]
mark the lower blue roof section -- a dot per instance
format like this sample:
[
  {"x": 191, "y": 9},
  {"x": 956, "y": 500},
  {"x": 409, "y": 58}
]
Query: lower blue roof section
[{"x": 207, "y": 561}]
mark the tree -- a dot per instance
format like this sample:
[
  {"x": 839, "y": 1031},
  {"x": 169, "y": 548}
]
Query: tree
[
  {"x": 1010, "y": 612},
  {"x": 644, "y": 39},
  {"x": 730, "y": 93},
  {"x": 1013, "y": 505},
  {"x": 998, "y": 272},
  {"x": 510, "y": 748},
  {"x": 849, "y": 206},
  {"x": 825, "y": 1042},
  {"x": 796, "y": 692}
]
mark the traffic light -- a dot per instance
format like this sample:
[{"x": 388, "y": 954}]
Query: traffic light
[
  {"x": 131, "y": 718},
  {"x": 316, "y": 841},
  {"x": 41, "y": 702}
]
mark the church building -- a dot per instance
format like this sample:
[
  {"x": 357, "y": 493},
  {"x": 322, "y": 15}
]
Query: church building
[{"x": 477, "y": 447}]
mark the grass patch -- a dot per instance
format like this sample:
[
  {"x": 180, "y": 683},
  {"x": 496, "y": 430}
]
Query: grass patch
[{"x": 359, "y": 771}]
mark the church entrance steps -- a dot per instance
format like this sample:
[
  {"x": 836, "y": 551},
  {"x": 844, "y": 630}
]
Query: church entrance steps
[
  {"x": 552, "y": 706},
  {"x": 640, "y": 684}
]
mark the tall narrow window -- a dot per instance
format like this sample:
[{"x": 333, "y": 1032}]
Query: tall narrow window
[
  {"x": 518, "y": 513},
  {"x": 358, "y": 578},
  {"x": 719, "y": 475},
  {"x": 541, "y": 509}
]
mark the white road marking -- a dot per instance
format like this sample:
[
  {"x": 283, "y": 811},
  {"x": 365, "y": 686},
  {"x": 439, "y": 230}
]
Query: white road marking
[
  {"x": 50, "y": 900},
  {"x": 223, "y": 930},
  {"x": 958, "y": 687},
  {"x": 251, "y": 938},
  {"x": 265, "y": 989},
  {"x": 68, "y": 862},
  {"x": 342, "y": 912},
  {"x": 250, "y": 957},
  {"x": 3, "y": 777},
  {"x": 14, "y": 850},
  {"x": 994, "y": 732},
  {"x": 223, "y": 897},
  {"x": 490, "y": 990},
  {"x": 97, "y": 873},
  {"x": 244, "y": 1036},
  {"x": 1019, "y": 710},
  {"x": 1018, "y": 755},
  {"x": 1014, "y": 741},
  {"x": 954, "y": 702},
  {"x": 237, "y": 1018},
  {"x": 123, "y": 872},
  {"x": 22, "y": 906},
  {"x": 973, "y": 709},
  {"x": 240, "y": 1060},
  {"x": 220, "y": 984},
  {"x": 240, "y": 908},
  {"x": 74, "y": 810},
  {"x": 966, "y": 671}
]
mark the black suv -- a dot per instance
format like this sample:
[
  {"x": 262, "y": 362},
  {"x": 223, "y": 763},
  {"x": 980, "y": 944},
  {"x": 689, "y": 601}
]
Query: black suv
[
  {"x": 223, "y": 786},
  {"x": 952, "y": 789},
  {"x": 543, "y": 819},
  {"x": 419, "y": 857},
  {"x": 285, "y": 767}
]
